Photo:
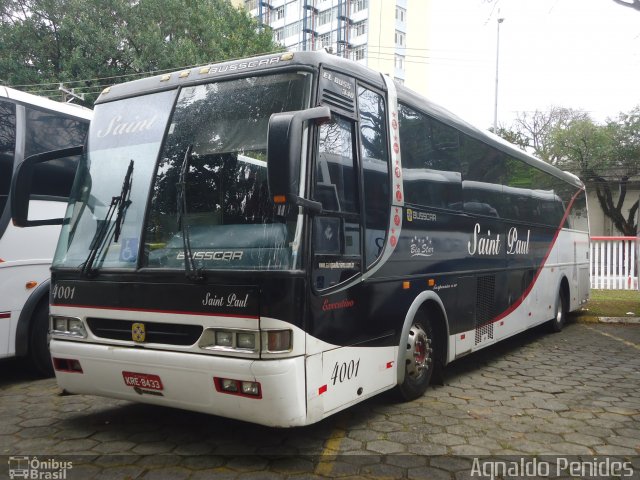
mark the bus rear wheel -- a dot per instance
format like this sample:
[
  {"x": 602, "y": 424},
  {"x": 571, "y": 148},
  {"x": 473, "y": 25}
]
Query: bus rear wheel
[
  {"x": 419, "y": 360},
  {"x": 556, "y": 324}
]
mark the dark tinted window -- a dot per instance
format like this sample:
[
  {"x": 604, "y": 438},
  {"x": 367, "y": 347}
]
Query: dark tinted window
[
  {"x": 46, "y": 131},
  {"x": 335, "y": 173},
  {"x": 375, "y": 166},
  {"x": 7, "y": 148},
  {"x": 336, "y": 231},
  {"x": 483, "y": 174},
  {"x": 430, "y": 161}
]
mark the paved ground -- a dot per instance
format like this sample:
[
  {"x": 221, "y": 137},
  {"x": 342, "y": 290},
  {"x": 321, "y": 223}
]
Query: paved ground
[{"x": 576, "y": 393}]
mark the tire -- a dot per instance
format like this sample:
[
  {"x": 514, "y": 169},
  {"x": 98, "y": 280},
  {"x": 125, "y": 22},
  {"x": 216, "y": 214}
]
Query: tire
[
  {"x": 556, "y": 324},
  {"x": 39, "y": 355},
  {"x": 419, "y": 360}
]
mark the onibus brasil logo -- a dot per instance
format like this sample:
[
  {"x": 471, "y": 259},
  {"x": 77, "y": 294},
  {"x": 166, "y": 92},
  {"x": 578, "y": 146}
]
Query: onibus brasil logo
[{"x": 34, "y": 468}]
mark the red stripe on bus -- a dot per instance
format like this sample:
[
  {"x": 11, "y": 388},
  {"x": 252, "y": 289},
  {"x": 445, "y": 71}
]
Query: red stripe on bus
[
  {"x": 526, "y": 293},
  {"x": 150, "y": 310}
]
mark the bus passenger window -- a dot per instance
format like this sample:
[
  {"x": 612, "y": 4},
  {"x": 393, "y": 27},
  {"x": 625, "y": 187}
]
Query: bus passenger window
[
  {"x": 483, "y": 172},
  {"x": 430, "y": 161}
]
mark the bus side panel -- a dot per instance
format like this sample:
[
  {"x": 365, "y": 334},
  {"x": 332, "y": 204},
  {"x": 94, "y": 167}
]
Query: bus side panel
[
  {"x": 351, "y": 374},
  {"x": 13, "y": 279}
]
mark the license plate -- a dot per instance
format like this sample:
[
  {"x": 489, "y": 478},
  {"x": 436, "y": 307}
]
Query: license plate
[{"x": 142, "y": 380}]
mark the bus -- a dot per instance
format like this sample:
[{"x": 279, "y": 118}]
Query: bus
[
  {"x": 30, "y": 124},
  {"x": 277, "y": 238}
]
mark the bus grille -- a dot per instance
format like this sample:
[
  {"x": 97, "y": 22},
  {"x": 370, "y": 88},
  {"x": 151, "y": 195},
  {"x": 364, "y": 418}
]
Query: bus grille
[
  {"x": 340, "y": 101},
  {"x": 485, "y": 307},
  {"x": 163, "y": 333}
]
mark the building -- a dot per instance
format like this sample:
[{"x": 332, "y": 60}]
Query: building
[{"x": 386, "y": 35}]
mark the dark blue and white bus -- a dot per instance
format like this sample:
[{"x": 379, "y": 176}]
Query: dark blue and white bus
[{"x": 277, "y": 238}]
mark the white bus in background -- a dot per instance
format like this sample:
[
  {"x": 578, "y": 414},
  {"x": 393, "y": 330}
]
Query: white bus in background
[{"x": 30, "y": 125}]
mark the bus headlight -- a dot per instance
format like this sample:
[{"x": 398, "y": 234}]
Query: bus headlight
[
  {"x": 246, "y": 340},
  {"x": 68, "y": 327},
  {"x": 224, "y": 339},
  {"x": 230, "y": 340}
]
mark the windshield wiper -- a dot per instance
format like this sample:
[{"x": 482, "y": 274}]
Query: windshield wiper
[
  {"x": 101, "y": 239},
  {"x": 190, "y": 269}
]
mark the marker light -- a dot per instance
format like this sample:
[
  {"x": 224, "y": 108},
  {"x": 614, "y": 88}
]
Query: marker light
[
  {"x": 241, "y": 388},
  {"x": 67, "y": 365},
  {"x": 278, "y": 341},
  {"x": 279, "y": 199}
]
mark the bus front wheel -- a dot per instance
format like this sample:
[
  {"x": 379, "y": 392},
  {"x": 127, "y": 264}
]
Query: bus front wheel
[
  {"x": 419, "y": 360},
  {"x": 39, "y": 355}
]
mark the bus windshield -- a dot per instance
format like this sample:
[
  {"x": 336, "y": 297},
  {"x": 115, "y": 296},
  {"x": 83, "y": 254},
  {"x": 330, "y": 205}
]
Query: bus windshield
[{"x": 204, "y": 187}]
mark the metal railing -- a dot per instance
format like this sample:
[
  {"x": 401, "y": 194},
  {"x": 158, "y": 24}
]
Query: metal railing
[{"x": 613, "y": 263}]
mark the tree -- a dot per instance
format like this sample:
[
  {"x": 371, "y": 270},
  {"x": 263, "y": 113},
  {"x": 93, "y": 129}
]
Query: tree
[
  {"x": 534, "y": 130},
  {"x": 605, "y": 156},
  {"x": 89, "y": 44}
]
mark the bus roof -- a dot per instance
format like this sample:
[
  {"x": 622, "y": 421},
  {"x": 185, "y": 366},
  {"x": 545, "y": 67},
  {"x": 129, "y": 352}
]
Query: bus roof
[
  {"x": 314, "y": 60},
  {"x": 45, "y": 103}
]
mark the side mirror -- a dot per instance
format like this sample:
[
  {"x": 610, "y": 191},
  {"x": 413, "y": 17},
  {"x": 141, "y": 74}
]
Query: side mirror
[
  {"x": 21, "y": 186},
  {"x": 284, "y": 153}
]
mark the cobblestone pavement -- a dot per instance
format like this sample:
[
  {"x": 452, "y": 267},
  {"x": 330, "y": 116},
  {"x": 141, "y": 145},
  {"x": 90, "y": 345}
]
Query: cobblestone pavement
[{"x": 576, "y": 393}]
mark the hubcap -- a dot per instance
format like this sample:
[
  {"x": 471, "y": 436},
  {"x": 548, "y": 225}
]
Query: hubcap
[{"x": 418, "y": 352}]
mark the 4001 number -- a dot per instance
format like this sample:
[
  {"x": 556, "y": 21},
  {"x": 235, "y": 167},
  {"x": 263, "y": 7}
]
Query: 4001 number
[{"x": 345, "y": 371}]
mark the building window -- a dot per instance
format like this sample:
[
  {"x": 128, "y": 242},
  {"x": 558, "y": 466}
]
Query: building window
[
  {"x": 250, "y": 4},
  {"x": 325, "y": 16},
  {"x": 359, "y": 28},
  {"x": 324, "y": 40},
  {"x": 400, "y": 39},
  {"x": 280, "y": 13},
  {"x": 278, "y": 35},
  {"x": 358, "y": 53},
  {"x": 292, "y": 29},
  {"x": 357, "y": 5},
  {"x": 399, "y": 62},
  {"x": 401, "y": 14}
]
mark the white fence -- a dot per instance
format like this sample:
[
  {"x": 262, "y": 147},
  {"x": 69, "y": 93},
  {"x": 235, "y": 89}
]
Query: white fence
[{"x": 613, "y": 263}]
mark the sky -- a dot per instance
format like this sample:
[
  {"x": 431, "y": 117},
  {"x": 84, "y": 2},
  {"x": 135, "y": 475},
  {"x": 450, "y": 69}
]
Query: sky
[{"x": 581, "y": 54}]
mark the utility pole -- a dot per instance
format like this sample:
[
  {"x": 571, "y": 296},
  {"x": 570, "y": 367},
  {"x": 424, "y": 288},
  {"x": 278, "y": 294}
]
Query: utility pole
[
  {"x": 69, "y": 96},
  {"x": 495, "y": 106}
]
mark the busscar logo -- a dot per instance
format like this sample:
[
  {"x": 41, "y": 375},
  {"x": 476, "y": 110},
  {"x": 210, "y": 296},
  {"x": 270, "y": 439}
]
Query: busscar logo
[{"x": 138, "y": 332}]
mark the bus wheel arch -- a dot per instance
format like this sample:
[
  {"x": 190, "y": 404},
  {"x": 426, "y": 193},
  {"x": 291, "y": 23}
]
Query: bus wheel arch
[
  {"x": 33, "y": 329},
  {"x": 423, "y": 345}
]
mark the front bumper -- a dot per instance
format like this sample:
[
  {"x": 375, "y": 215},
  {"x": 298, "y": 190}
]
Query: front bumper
[{"x": 187, "y": 380}]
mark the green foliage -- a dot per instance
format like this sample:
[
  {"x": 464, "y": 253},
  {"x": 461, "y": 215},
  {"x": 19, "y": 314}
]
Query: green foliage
[
  {"x": 88, "y": 41},
  {"x": 606, "y": 156}
]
